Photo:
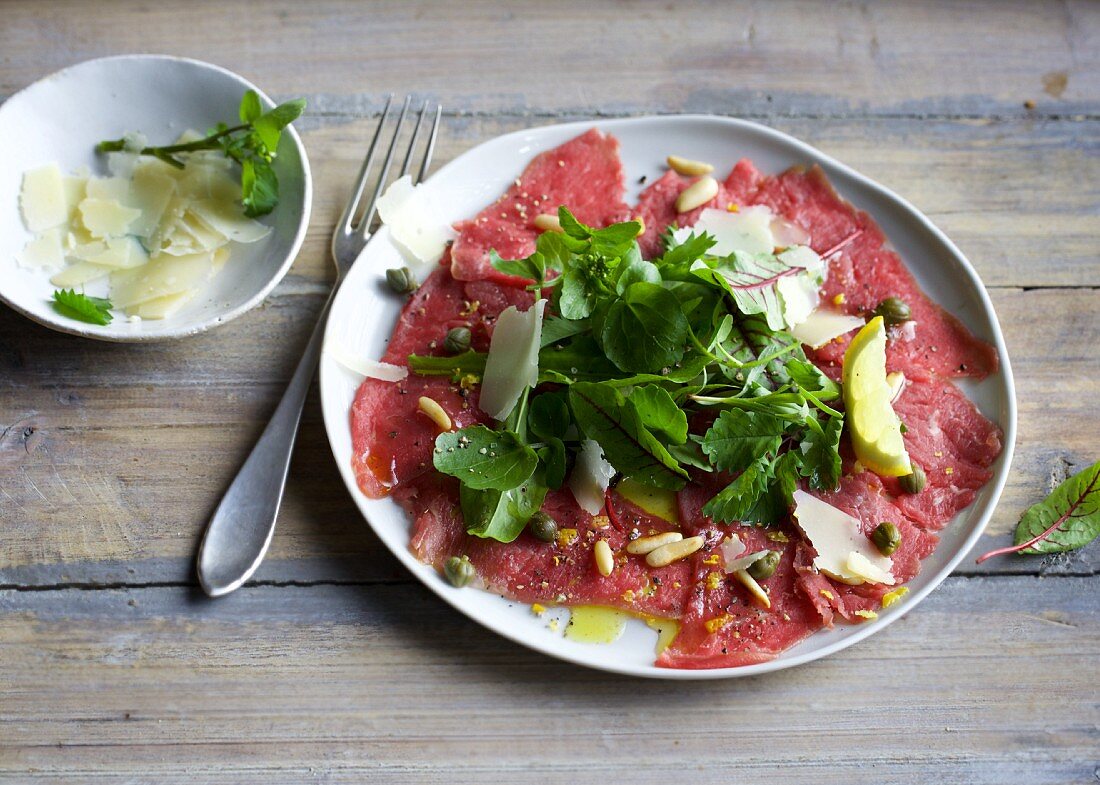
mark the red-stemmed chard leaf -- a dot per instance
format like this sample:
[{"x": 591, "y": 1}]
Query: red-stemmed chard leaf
[{"x": 1066, "y": 520}]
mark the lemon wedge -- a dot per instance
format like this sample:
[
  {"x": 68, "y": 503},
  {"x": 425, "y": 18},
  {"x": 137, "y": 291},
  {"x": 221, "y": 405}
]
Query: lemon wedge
[{"x": 874, "y": 427}]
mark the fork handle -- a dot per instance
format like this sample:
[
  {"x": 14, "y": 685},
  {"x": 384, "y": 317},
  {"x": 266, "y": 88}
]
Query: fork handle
[{"x": 238, "y": 534}]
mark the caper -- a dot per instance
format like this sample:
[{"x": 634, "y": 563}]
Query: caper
[
  {"x": 893, "y": 310},
  {"x": 543, "y": 527},
  {"x": 457, "y": 340},
  {"x": 915, "y": 482},
  {"x": 886, "y": 538},
  {"x": 764, "y": 567},
  {"x": 459, "y": 571},
  {"x": 401, "y": 280}
]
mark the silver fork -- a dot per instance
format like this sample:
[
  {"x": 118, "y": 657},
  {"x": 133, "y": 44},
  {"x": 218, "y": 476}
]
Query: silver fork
[{"x": 239, "y": 533}]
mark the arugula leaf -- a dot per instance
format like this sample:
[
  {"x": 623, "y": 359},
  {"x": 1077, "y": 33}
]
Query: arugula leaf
[
  {"x": 659, "y": 412},
  {"x": 809, "y": 377},
  {"x": 1068, "y": 519},
  {"x": 820, "y": 463},
  {"x": 690, "y": 453},
  {"x": 737, "y": 438},
  {"x": 613, "y": 241},
  {"x": 645, "y": 330},
  {"x": 93, "y": 310},
  {"x": 602, "y": 414},
  {"x": 550, "y": 255},
  {"x": 484, "y": 459},
  {"x": 455, "y": 366},
  {"x": 500, "y": 515}
]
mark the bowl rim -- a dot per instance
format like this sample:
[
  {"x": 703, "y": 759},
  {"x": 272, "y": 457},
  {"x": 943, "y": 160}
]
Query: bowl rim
[
  {"x": 995, "y": 486},
  {"x": 82, "y": 331}
]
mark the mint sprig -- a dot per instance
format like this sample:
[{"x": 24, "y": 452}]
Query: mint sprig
[{"x": 253, "y": 143}]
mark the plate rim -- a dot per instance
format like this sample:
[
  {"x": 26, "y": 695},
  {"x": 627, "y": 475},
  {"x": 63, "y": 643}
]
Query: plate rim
[
  {"x": 860, "y": 632},
  {"x": 86, "y": 331}
]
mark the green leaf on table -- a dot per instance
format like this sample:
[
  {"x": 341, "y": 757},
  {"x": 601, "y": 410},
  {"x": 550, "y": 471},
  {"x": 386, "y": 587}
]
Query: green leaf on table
[
  {"x": 738, "y": 438},
  {"x": 645, "y": 331},
  {"x": 1066, "y": 520},
  {"x": 93, "y": 310},
  {"x": 484, "y": 459},
  {"x": 602, "y": 414}
]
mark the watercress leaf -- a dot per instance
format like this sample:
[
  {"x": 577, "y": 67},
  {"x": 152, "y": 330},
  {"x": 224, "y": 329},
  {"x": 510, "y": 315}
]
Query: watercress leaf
[
  {"x": 645, "y": 330},
  {"x": 634, "y": 269},
  {"x": 690, "y": 368},
  {"x": 269, "y": 126},
  {"x": 482, "y": 458},
  {"x": 250, "y": 108},
  {"x": 739, "y": 438},
  {"x": 617, "y": 240},
  {"x": 548, "y": 416},
  {"x": 659, "y": 413},
  {"x": 571, "y": 227},
  {"x": 500, "y": 515},
  {"x": 533, "y": 267},
  {"x": 1066, "y": 520},
  {"x": 679, "y": 256},
  {"x": 690, "y": 453},
  {"x": 577, "y": 295},
  {"x": 602, "y": 414},
  {"x": 809, "y": 377},
  {"x": 739, "y": 500},
  {"x": 552, "y": 461},
  {"x": 259, "y": 187},
  {"x": 555, "y": 328},
  {"x": 93, "y": 310},
  {"x": 820, "y": 448},
  {"x": 579, "y": 359}
]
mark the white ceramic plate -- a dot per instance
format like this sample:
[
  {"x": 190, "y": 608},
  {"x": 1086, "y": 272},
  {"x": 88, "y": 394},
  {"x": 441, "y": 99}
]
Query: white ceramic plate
[
  {"x": 62, "y": 117},
  {"x": 364, "y": 313}
]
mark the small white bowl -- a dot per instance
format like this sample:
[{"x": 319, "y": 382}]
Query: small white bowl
[{"x": 61, "y": 118}]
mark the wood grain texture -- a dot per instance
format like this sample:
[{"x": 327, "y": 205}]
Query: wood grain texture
[
  {"x": 973, "y": 59},
  {"x": 334, "y": 667},
  {"x": 388, "y": 684}
]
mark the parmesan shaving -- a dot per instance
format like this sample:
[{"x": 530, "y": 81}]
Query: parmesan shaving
[
  {"x": 370, "y": 369},
  {"x": 837, "y": 537},
  {"x": 407, "y": 211},
  {"x": 591, "y": 477},
  {"x": 43, "y": 198},
  {"x": 824, "y": 325},
  {"x": 513, "y": 361}
]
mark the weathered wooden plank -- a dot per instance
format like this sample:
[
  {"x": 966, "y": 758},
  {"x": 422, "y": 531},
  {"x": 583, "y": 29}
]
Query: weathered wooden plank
[
  {"x": 390, "y": 684},
  {"x": 780, "y": 58},
  {"x": 121, "y": 470}
]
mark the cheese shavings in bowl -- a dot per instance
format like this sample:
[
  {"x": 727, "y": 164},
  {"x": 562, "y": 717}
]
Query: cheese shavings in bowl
[{"x": 154, "y": 233}]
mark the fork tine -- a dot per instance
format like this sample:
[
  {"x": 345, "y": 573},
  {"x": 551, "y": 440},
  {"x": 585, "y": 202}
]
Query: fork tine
[
  {"x": 431, "y": 145},
  {"x": 364, "y": 172},
  {"x": 406, "y": 165},
  {"x": 363, "y": 230}
]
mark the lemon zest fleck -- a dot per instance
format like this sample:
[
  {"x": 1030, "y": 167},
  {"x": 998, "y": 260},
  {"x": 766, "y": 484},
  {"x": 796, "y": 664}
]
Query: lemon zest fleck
[{"x": 890, "y": 598}]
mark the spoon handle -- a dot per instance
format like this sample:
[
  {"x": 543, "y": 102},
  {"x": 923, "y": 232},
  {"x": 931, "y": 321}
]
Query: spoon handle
[{"x": 240, "y": 530}]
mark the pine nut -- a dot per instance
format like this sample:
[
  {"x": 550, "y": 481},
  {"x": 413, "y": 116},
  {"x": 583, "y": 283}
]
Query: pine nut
[
  {"x": 644, "y": 545},
  {"x": 688, "y": 167},
  {"x": 755, "y": 589},
  {"x": 605, "y": 559},
  {"x": 546, "y": 222},
  {"x": 435, "y": 413},
  {"x": 673, "y": 551},
  {"x": 641, "y": 225},
  {"x": 697, "y": 194}
]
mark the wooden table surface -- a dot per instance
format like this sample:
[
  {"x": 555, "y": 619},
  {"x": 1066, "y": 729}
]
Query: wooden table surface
[{"x": 332, "y": 665}]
